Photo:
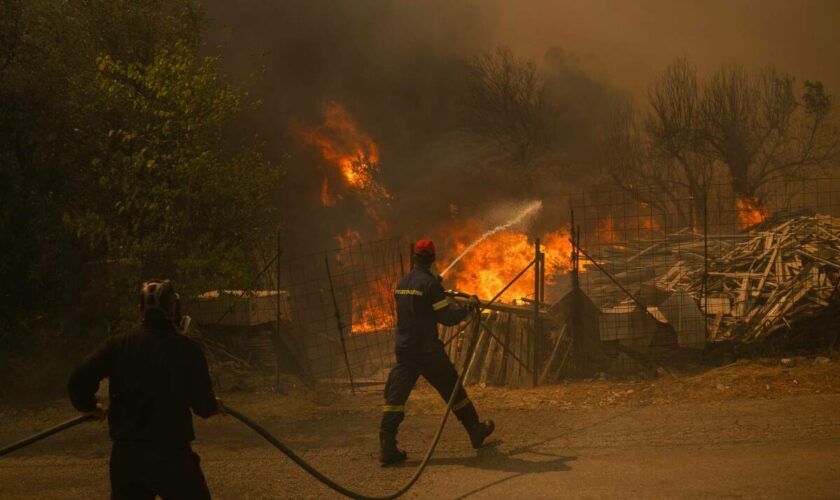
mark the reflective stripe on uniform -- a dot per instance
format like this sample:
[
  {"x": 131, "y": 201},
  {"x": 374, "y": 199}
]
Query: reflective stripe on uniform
[
  {"x": 437, "y": 306},
  {"x": 393, "y": 409},
  {"x": 408, "y": 292},
  {"x": 461, "y": 404}
]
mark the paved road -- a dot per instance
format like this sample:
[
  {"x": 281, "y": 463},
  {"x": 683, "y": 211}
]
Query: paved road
[{"x": 782, "y": 448}]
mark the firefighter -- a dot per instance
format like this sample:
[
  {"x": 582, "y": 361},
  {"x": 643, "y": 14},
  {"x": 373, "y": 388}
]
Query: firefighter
[
  {"x": 421, "y": 305},
  {"x": 156, "y": 376}
]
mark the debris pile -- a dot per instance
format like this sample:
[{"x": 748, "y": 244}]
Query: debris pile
[
  {"x": 506, "y": 355},
  {"x": 747, "y": 285}
]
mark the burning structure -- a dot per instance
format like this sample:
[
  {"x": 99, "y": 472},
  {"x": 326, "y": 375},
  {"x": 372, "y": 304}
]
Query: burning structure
[
  {"x": 650, "y": 279},
  {"x": 627, "y": 302}
]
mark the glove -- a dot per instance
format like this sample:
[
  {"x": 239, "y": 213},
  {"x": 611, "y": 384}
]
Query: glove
[
  {"x": 475, "y": 303},
  {"x": 98, "y": 412}
]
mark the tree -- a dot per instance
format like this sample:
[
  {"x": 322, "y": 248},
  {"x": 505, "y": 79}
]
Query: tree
[
  {"x": 114, "y": 158},
  {"x": 659, "y": 157},
  {"x": 751, "y": 128},
  {"x": 757, "y": 128},
  {"x": 537, "y": 122},
  {"x": 174, "y": 196},
  {"x": 505, "y": 106}
]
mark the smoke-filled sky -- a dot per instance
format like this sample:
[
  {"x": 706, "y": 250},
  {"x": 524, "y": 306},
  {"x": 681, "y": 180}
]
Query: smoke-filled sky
[
  {"x": 630, "y": 42},
  {"x": 398, "y": 68}
]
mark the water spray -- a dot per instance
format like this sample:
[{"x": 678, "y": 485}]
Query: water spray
[{"x": 527, "y": 211}]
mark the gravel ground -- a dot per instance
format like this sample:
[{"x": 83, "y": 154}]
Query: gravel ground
[{"x": 706, "y": 435}]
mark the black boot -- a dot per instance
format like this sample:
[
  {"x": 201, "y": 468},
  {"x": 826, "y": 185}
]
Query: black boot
[
  {"x": 388, "y": 452},
  {"x": 479, "y": 431}
]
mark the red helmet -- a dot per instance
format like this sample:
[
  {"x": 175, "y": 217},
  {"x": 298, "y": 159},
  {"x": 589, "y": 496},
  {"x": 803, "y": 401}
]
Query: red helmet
[{"x": 424, "y": 247}]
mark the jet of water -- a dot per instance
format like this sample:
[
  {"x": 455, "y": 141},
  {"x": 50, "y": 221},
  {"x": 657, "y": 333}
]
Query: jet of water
[{"x": 526, "y": 212}]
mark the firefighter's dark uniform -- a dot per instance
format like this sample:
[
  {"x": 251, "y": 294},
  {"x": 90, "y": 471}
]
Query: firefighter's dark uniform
[
  {"x": 421, "y": 305},
  {"x": 156, "y": 377}
]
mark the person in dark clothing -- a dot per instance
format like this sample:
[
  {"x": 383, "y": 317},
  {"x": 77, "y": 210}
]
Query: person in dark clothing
[
  {"x": 421, "y": 305},
  {"x": 156, "y": 377}
]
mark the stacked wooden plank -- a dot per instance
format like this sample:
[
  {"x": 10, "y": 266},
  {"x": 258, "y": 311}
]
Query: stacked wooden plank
[
  {"x": 754, "y": 284},
  {"x": 662, "y": 262},
  {"x": 505, "y": 353},
  {"x": 783, "y": 273}
]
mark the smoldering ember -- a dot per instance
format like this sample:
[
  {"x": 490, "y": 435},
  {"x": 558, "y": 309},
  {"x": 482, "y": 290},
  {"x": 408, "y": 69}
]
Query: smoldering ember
[{"x": 373, "y": 249}]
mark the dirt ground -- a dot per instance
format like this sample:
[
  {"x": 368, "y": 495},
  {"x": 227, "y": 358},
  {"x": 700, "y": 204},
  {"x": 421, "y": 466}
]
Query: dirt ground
[{"x": 753, "y": 429}]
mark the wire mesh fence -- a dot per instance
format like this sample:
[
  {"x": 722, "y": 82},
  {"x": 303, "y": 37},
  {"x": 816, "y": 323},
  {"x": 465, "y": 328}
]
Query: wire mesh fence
[
  {"x": 328, "y": 316},
  {"x": 680, "y": 272},
  {"x": 659, "y": 275},
  {"x": 339, "y": 315},
  {"x": 334, "y": 319}
]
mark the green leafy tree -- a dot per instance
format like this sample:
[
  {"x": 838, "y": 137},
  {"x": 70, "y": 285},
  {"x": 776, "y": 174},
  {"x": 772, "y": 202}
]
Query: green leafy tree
[
  {"x": 174, "y": 197},
  {"x": 115, "y": 162}
]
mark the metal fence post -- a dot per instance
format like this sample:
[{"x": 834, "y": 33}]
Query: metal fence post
[
  {"x": 340, "y": 326},
  {"x": 542, "y": 277},
  {"x": 277, "y": 322},
  {"x": 536, "y": 330},
  {"x": 705, "y": 293}
]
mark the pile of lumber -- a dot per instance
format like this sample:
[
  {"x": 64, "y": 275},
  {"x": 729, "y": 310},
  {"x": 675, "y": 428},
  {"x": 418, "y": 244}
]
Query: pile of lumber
[
  {"x": 749, "y": 285},
  {"x": 666, "y": 261},
  {"x": 505, "y": 355},
  {"x": 783, "y": 273}
]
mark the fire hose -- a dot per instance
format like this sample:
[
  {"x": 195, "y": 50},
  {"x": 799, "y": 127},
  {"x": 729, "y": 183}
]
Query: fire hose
[
  {"x": 288, "y": 451},
  {"x": 46, "y": 433},
  {"x": 476, "y": 339}
]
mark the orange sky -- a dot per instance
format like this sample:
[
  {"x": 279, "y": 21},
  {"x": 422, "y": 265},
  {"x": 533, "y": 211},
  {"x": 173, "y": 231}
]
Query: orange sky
[{"x": 629, "y": 42}]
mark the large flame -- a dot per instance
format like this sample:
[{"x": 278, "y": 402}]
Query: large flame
[
  {"x": 371, "y": 303},
  {"x": 750, "y": 212},
  {"x": 354, "y": 153},
  {"x": 490, "y": 265}
]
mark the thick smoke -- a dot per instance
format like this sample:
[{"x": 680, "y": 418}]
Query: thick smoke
[
  {"x": 395, "y": 67},
  {"x": 399, "y": 68}
]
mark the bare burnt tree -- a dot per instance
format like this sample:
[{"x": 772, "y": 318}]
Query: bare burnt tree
[
  {"x": 505, "y": 107},
  {"x": 660, "y": 157},
  {"x": 757, "y": 128},
  {"x": 537, "y": 122},
  {"x": 752, "y": 128}
]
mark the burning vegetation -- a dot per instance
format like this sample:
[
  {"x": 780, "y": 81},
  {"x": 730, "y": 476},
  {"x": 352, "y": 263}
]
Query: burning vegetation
[
  {"x": 373, "y": 308},
  {"x": 354, "y": 156},
  {"x": 750, "y": 212},
  {"x": 606, "y": 230}
]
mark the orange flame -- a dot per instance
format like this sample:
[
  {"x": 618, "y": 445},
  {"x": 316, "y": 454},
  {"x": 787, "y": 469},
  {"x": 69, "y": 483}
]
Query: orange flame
[
  {"x": 356, "y": 156},
  {"x": 648, "y": 223},
  {"x": 498, "y": 259},
  {"x": 373, "y": 311},
  {"x": 349, "y": 238},
  {"x": 605, "y": 230},
  {"x": 327, "y": 198},
  {"x": 651, "y": 225},
  {"x": 750, "y": 212}
]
